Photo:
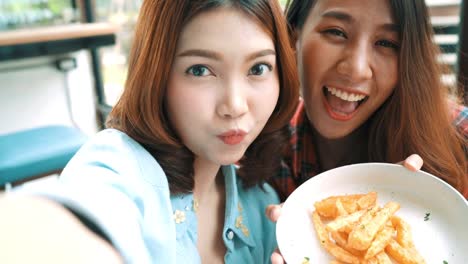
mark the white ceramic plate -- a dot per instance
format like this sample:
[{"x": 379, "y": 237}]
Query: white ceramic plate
[{"x": 442, "y": 237}]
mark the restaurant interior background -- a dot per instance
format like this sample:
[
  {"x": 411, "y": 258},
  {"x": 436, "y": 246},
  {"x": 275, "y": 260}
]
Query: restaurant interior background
[{"x": 65, "y": 61}]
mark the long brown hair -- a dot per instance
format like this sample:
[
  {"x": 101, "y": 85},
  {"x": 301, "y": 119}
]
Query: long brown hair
[
  {"x": 141, "y": 113},
  {"x": 416, "y": 118}
]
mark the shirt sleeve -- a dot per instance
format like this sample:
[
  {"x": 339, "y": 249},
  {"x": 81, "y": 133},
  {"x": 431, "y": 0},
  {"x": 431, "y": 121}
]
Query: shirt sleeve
[
  {"x": 105, "y": 183},
  {"x": 283, "y": 182}
]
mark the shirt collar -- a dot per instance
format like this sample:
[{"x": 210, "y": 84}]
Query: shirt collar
[{"x": 236, "y": 219}]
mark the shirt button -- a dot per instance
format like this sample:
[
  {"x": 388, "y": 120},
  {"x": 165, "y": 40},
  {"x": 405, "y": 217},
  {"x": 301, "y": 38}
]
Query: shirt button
[{"x": 230, "y": 235}]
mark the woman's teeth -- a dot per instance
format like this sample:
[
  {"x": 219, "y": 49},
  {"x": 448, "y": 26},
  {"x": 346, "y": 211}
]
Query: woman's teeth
[{"x": 345, "y": 95}]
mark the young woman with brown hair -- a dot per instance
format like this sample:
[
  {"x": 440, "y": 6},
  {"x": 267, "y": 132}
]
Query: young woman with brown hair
[{"x": 210, "y": 84}]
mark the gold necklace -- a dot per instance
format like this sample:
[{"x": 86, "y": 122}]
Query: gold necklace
[{"x": 196, "y": 204}]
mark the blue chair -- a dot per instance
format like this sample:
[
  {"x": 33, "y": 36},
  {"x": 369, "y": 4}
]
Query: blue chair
[{"x": 37, "y": 152}]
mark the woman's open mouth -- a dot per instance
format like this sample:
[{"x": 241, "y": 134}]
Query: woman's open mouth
[{"x": 342, "y": 105}]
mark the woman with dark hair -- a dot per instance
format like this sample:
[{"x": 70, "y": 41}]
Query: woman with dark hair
[
  {"x": 210, "y": 84},
  {"x": 372, "y": 91}
]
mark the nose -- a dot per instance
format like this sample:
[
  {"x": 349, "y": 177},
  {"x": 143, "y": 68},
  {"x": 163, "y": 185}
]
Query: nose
[
  {"x": 233, "y": 102},
  {"x": 355, "y": 65}
]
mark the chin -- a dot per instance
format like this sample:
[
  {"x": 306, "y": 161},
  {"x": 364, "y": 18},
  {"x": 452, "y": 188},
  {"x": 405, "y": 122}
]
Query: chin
[
  {"x": 333, "y": 132},
  {"x": 335, "y": 136},
  {"x": 228, "y": 159}
]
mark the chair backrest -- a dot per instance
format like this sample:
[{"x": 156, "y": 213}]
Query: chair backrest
[{"x": 28, "y": 154}]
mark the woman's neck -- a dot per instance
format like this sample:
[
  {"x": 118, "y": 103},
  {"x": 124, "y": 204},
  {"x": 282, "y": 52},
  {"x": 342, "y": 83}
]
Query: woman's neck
[
  {"x": 210, "y": 199},
  {"x": 350, "y": 149},
  {"x": 205, "y": 178}
]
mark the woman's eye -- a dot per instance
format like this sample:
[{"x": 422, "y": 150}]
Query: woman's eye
[
  {"x": 335, "y": 32},
  {"x": 387, "y": 44},
  {"x": 260, "y": 69},
  {"x": 198, "y": 70}
]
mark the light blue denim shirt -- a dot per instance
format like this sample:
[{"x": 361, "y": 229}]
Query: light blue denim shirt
[{"x": 115, "y": 183}]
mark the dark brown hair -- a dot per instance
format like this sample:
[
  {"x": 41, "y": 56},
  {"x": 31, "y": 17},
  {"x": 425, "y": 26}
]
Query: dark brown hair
[
  {"x": 140, "y": 112},
  {"x": 416, "y": 117}
]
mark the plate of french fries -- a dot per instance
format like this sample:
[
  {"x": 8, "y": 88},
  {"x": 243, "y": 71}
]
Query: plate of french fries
[{"x": 374, "y": 213}]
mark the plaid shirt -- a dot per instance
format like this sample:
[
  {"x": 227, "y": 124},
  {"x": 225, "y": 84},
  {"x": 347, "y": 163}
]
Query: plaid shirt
[{"x": 300, "y": 162}]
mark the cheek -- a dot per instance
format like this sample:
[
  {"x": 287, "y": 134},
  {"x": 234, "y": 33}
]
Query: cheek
[
  {"x": 264, "y": 100},
  {"x": 188, "y": 105},
  {"x": 186, "y": 96},
  {"x": 173, "y": 93},
  {"x": 311, "y": 64},
  {"x": 187, "y": 116},
  {"x": 182, "y": 102},
  {"x": 176, "y": 103},
  {"x": 308, "y": 61},
  {"x": 271, "y": 95},
  {"x": 394, "y": 76},
  {"x": 388, "y": 77}
]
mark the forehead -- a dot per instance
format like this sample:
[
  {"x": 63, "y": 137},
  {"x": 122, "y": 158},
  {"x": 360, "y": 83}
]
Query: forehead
[
  {"x": 357, "y": 11},
  {"x": 224, "y": 27}
]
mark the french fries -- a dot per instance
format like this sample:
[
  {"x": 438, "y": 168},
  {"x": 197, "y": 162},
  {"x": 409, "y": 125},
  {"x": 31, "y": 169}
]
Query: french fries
[
  {"x": 354, "y": 229},
  {"x": 351, "y": 203}
]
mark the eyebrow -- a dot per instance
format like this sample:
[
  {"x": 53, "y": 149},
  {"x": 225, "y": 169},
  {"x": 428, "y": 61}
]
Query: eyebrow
[
  {"x": 216, "y": 56},
  {"x": 261, "y": 53},
  {"x": 338, "y": 15},
  {"x": 391, "y": 27},
  {"x": 348, "y": 18},
  {"x": 200, "y": 53}
]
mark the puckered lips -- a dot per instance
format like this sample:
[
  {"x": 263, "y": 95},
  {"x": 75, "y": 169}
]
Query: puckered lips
[
  {"x": 232, "y": 137},
  {"x": 342, "y": 104}
]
